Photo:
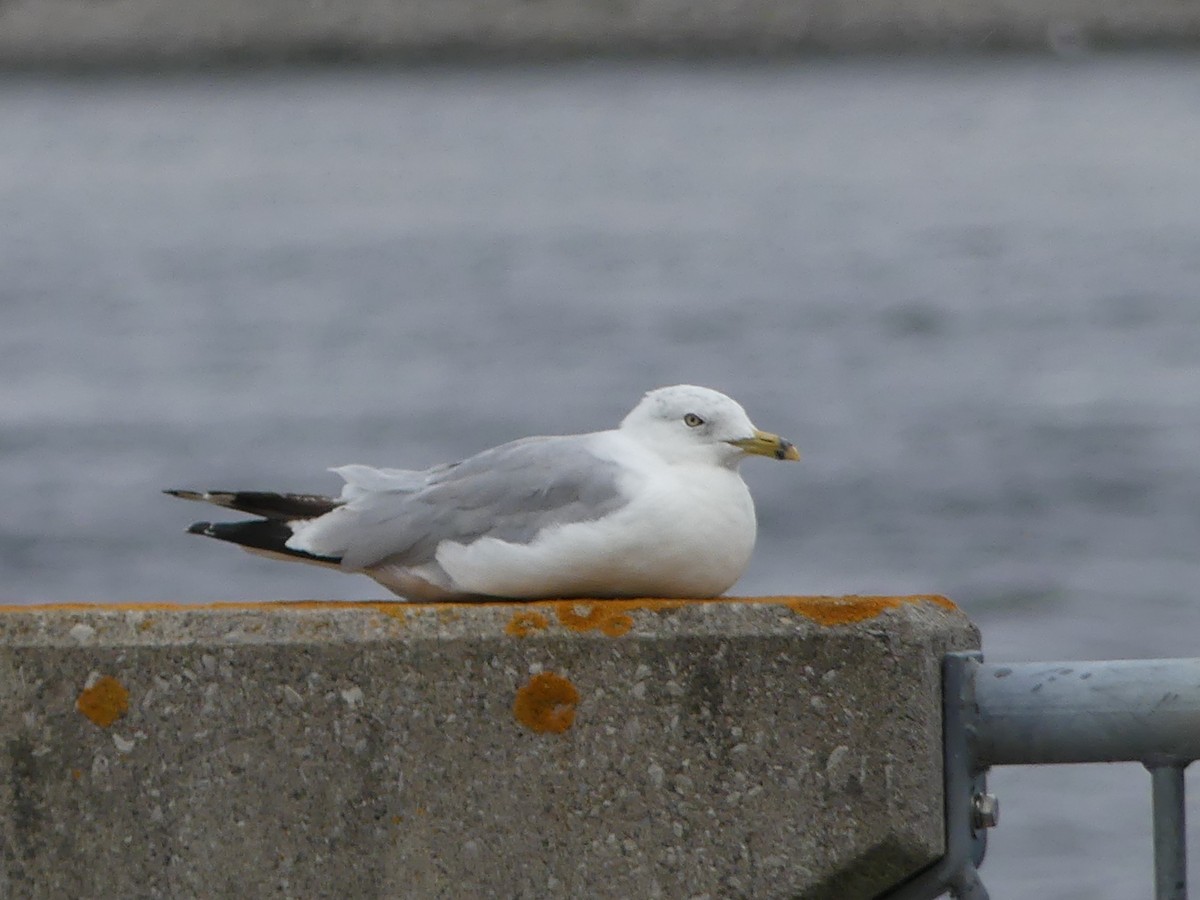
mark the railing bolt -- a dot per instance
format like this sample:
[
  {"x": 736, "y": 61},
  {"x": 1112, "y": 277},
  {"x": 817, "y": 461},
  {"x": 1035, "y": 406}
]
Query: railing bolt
[{"x": 985, "y": 811}]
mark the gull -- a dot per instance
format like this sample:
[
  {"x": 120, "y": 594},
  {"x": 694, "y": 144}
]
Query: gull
[{"x": 652, "y": 508}]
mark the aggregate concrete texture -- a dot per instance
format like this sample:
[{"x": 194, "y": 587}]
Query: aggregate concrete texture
[{"x": 767, "y": 747}]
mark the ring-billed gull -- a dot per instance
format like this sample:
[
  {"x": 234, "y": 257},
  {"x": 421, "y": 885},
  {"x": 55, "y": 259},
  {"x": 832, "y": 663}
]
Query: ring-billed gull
[{"x": 653, "y": 508}]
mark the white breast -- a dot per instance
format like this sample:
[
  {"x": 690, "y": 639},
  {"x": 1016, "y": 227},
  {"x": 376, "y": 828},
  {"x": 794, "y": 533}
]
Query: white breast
[{"x": 688, "y": 531}]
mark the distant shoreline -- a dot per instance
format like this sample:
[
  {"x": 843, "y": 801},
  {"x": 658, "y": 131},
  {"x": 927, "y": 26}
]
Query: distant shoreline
[{"x": 154, "y": 35}]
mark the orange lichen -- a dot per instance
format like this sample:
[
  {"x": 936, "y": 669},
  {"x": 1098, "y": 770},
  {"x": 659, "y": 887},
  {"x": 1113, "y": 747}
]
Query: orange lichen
[
  {"x": 546, "y": 704},
  {"x": 615, "y": 626},
  {"x": 610, "y": 617},
  {"x": 394, "y": 610},
  {"x": 832, "y": 611},
  {"x": 524, "y": 622},
  {"x": 569, "y": 617},
  {"x": 76, "y": 774},
  {"x": 605, "y": 616},
  {"x": 104, "y": 702},
  {"x": 841, "y": 610}
]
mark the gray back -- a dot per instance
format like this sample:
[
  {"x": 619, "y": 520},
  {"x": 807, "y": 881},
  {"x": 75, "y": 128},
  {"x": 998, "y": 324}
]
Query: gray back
[{"x": 510, "y": 492}]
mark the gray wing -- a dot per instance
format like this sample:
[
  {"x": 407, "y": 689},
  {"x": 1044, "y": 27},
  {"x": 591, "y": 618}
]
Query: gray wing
[{"x": 511, "y": 492}]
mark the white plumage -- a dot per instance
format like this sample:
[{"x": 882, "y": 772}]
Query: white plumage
[{"x": 655, "y": 507}]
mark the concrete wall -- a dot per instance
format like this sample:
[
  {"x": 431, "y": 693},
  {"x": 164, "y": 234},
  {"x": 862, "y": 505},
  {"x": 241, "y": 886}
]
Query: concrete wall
[
  {"x": 154, "y": 32},
  {"x": 777, "y": 747}
]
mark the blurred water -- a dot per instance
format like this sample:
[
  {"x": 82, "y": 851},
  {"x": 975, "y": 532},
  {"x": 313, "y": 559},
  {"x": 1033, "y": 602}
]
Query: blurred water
[{"x": 967, "y": 290}]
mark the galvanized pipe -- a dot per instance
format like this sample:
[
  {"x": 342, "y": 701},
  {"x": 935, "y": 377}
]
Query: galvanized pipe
[
  {"x": 1140, "y": 710},
  {"x": 968, "y": 886},
  {"x": 1170, "y": 831}
]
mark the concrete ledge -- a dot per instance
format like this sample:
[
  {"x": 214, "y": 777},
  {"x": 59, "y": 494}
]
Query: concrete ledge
[{"x": 774, "y": 747}]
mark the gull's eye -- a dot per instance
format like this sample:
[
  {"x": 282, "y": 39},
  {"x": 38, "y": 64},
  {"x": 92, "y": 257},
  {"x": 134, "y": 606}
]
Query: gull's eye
[{"x": 691, "y": 420}]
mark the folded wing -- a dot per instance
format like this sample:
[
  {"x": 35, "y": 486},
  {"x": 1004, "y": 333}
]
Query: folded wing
[{"x": 389, "y": 523}]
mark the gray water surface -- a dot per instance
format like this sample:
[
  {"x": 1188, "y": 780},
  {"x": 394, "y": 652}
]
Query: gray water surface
[{"x": 968, "y": 291}]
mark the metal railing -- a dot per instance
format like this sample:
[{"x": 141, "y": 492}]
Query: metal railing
[{"x": 1041, "y": 713}]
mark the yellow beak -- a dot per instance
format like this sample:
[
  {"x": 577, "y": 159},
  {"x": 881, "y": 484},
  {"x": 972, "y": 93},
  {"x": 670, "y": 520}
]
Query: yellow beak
[{"x": 766, "y": 444}]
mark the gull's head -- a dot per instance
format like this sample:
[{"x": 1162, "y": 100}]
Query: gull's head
[{"x": 686, "y": 423}]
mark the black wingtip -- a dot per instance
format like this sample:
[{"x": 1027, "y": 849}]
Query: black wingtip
[
  {"x": 269, "y": 505},
  {"x": 259, "y": 535}
]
